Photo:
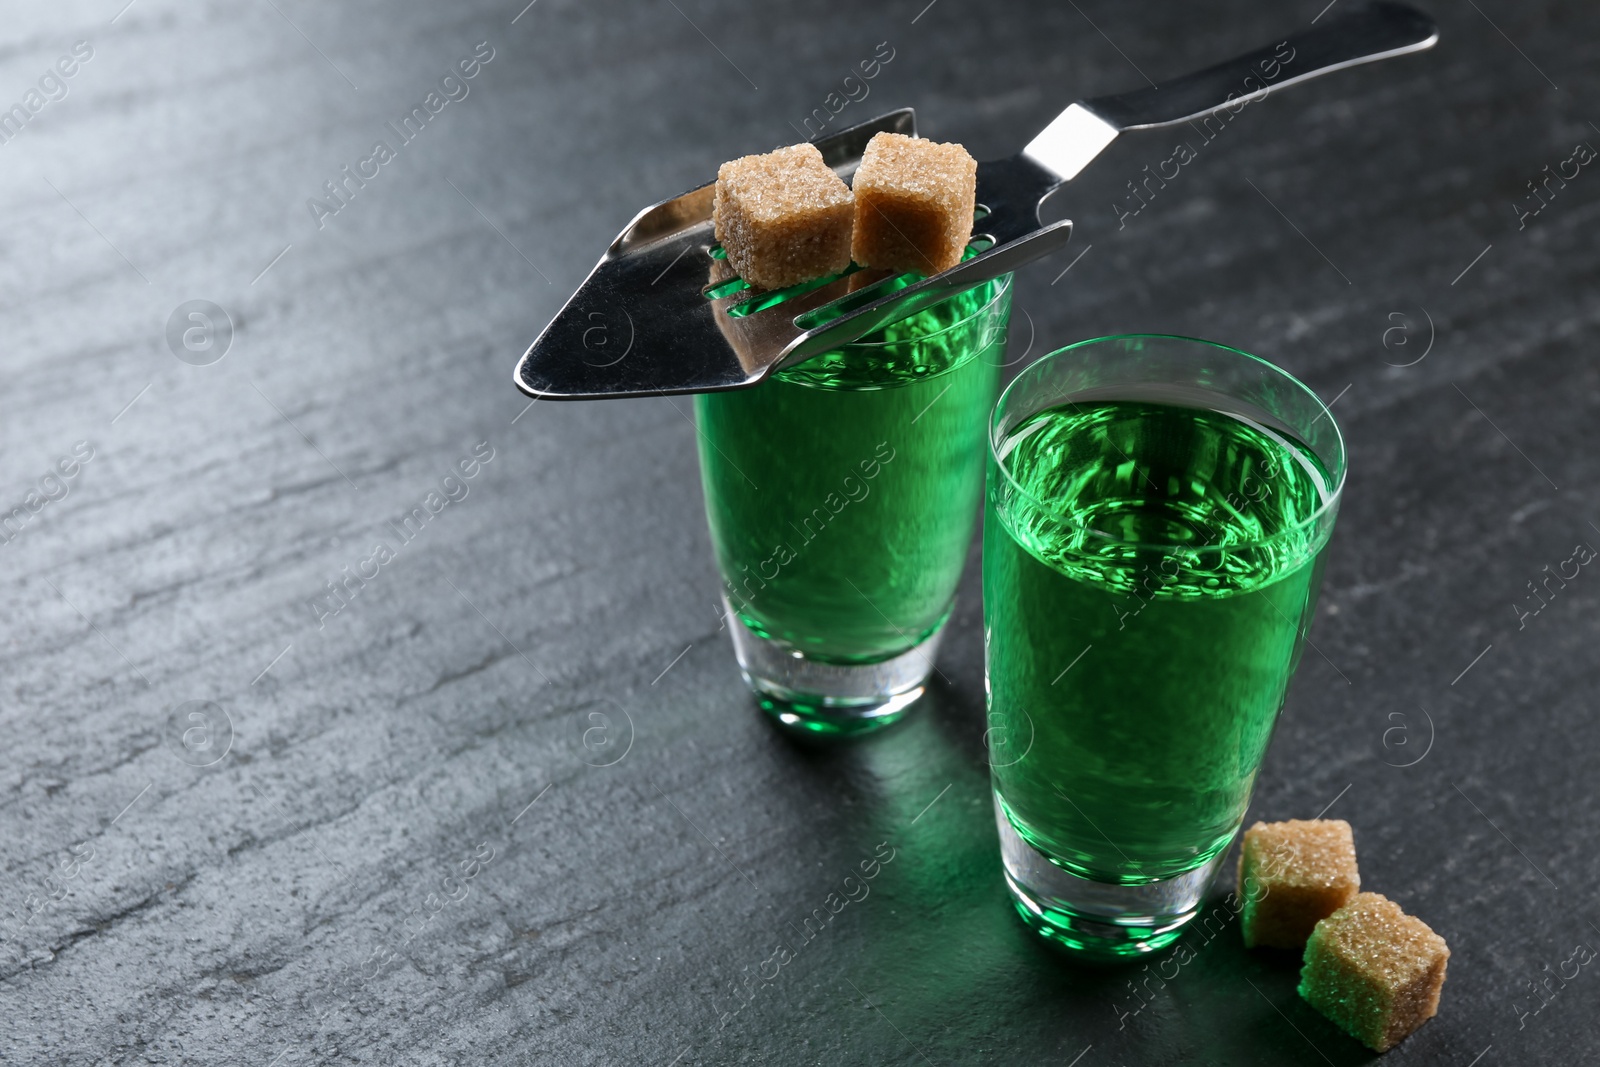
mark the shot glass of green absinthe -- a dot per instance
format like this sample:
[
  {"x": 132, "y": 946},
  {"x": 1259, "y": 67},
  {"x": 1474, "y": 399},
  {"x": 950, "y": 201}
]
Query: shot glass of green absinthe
[
  {"x": 842, "y": 495},
  {"x": 1157, "y": 512}
]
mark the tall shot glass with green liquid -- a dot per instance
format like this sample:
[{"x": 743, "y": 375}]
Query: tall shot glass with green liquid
[
  {"x": 842, "y": 494},
  {"x": 1157, "y": 512}
]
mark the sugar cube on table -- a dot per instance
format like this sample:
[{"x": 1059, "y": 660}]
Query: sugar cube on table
[
  {"x": 914, "y": 203},
  {"x": 1292, "y": 875},
  {"x": 784, "y": 217},
  {"x": 1374, "y": 970}
]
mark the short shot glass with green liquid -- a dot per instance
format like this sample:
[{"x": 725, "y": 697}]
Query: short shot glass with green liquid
[
  {"x": 1156, "y": 517},
  {"x": 842, "y": 495}
]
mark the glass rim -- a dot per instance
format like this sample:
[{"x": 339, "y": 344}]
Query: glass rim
[
  {"x": 1002, "y": 287},
  {"x": 1330, "y": 502}
]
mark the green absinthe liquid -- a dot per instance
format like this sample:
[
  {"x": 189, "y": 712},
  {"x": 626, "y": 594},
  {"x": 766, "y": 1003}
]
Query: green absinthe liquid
[
  {"x": 1134, "y": 760},
  {"x": 842, "y": 492}
]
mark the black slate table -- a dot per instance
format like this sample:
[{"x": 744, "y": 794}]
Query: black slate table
[{"x": 505, "y": 800}]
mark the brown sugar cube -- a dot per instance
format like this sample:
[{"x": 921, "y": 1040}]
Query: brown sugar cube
[
  {"x": 914, "y": 202},
  {"x": 783, "y": 217},
  {"x": 1292, "y": 875},
  {"x": 1374, "y": 971}
]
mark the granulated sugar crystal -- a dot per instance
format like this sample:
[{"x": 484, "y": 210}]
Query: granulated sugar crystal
[
  {"x": 914, "y": 203},
  {"x": 784, "y": 217},
  {"x": 1292, "y": 875},
  {"x": 1374, "y": 970}
]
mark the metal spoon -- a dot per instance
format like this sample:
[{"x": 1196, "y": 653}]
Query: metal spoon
[{"x": 661, "y": 313}]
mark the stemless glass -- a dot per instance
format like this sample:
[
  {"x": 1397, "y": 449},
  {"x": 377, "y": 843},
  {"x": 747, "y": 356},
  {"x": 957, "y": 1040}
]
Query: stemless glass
[
  {"x": 1157, "y": 511},
  {"x": 841, "y": 496}
]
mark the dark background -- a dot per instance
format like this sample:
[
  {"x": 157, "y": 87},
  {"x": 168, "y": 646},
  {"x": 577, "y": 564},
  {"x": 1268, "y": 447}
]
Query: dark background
[{"x": 552, "y": 639}]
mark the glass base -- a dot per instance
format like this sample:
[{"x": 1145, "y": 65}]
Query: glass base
[
  {"x": 813, "y": 697},
  {"x": 1098, "y": 919}
]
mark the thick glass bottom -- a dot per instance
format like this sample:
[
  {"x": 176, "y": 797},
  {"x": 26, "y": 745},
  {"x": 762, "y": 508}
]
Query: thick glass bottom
[
  {"x": 814, "y": 697},
  {"x": 1098, "y": 919}
]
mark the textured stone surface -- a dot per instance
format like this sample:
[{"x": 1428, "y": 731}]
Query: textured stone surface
[{"x": 306, "y": 898}]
